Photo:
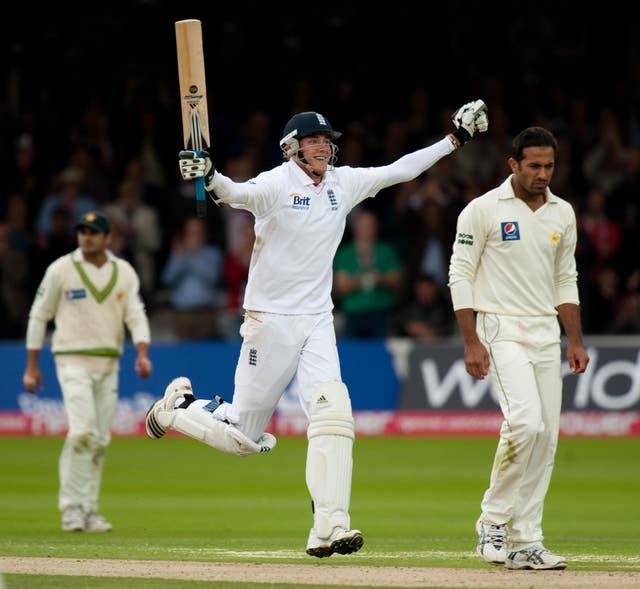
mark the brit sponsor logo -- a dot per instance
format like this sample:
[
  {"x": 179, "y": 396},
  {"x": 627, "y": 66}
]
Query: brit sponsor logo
[
  {"x": 510, "y": 230},
  {"x": 300, "y": 202},
  {"x": 253, "y": 357},
  {"x": 76, "y": 293}
]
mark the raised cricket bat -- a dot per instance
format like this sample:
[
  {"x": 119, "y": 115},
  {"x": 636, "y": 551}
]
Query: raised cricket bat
[{"x": 193, "y": 96}]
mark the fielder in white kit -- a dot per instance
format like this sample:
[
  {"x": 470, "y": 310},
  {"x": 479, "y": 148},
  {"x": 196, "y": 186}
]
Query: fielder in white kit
[
  {"x": 512, "y": 273},
  {"x": 300, "y": 210},
  {"x": 91, "y": 294}
]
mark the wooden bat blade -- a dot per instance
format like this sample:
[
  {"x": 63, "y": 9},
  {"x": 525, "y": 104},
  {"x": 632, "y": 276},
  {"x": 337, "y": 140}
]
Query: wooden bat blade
[
  {"x": 193, "y": 85},
  {"x": 193, "y": 96}
]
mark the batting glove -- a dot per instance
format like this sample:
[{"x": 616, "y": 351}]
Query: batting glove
[
  {"x": 194, "y": 166},
  {"x": 469, "y": 119}
]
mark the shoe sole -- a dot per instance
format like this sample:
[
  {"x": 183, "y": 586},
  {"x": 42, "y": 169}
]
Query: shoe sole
[
  {"x": 341, "y": 546},
  {"x": 530, "y": 567},
  {"x": 154, "y": 430}
]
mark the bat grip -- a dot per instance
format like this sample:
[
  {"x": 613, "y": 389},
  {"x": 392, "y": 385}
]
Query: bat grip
[{"x": 201, "y": 197}]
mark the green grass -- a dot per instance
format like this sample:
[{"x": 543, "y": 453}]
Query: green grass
[{"x": 415, "y": 499}]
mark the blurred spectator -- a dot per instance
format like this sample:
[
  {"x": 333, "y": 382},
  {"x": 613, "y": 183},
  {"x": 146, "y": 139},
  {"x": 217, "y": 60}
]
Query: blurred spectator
[
  {"x": 604, "y": 234},
  {"x": 68, "y": 195},
  {"x": 14, "y": 288},
  {"x": 236, "y": 273},
  {"x": 139, "y": 227},
  {"x": 427, "y": 316},
  {"x": 367, "y": 276},
  {"x": 604, "y": 164},
  {"x": 626, "y": 320},
  {"x": 193, "y": 275},
  {"x": 60, "y": 240}
]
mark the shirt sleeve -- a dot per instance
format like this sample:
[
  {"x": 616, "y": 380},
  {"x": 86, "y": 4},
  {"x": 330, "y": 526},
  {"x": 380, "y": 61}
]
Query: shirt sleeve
[
  {"x": 258, "y": 195},
  {"x": 44, "y": 307},
  {"x": 468, "y": 246},
  {"x": 367, "y": 182},
  {"x": 135, "y": 316},
  {"x": 566, "y": 275}
]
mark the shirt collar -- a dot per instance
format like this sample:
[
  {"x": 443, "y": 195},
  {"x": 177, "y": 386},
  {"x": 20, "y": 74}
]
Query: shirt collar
[
  {"x": 506, "y": 191},
  {"x": 76, "y": 255},
  {"x": 304, "y": 178}
]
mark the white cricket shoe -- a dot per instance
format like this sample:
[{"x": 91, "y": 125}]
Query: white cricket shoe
[
  {"x": 536, "y": 557},
  {"x": 179, "y": 388},
  {"x": 96, "y": 523},
  {"x": 491, "y": 542},
  {"x": 341, "y": 541},
  {"x": 73, "y": 519}
]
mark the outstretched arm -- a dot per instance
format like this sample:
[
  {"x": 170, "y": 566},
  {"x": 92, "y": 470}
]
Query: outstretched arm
[{"x": 468, "y": 119}]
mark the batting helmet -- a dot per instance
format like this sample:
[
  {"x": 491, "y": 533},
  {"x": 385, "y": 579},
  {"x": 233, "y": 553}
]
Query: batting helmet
[{"x": 302, "y": 125}]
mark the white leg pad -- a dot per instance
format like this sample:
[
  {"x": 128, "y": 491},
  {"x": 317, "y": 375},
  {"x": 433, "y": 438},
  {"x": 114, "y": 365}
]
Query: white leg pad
[
  {"x": 200, "y": 424},
  {"x": 329, "y": 459}
]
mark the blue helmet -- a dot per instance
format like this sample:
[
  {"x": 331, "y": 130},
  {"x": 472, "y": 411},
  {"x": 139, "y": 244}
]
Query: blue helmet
[{"x": 302, "y": 125}]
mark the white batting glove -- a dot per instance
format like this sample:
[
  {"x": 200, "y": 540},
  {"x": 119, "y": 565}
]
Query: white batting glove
[
  {"x": 192, "y": 166},
  {"x": 469, "y": 119}
]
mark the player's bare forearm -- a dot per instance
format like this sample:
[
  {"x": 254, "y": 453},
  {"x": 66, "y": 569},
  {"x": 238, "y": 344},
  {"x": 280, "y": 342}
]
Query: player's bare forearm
[
  {"x": 476, "y": 357},
  {"x": 576, "y": 354},
  {"x": 570, "y": 319}
]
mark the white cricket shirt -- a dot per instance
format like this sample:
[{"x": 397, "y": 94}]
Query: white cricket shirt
[
  {"x": 299, "y": 225},
  {"x": 510, "y": 260}
]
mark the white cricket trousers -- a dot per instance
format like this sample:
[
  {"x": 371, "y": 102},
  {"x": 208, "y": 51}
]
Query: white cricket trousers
[
  {"x": 278, "y": 350},
  {"x": 90, "y": 400},
  {"x": 526, "y": 375}
]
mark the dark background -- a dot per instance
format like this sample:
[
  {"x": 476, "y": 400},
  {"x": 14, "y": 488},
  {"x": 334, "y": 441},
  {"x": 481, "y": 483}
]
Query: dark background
[{"x": 357, "y": 63}]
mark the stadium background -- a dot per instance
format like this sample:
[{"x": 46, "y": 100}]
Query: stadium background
[{"x": 104, "y": 77}]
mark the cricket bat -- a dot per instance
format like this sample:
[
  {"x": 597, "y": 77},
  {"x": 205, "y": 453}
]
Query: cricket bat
[{"x": 193, "y": 96}]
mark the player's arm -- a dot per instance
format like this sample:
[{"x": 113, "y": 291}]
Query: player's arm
[
  {"x": 42, "y": 311},
  {"x": 567, "y": 298},
  {"x": 469, "y": 119},
  {"x": 468, "y": 246},
  {"x": 135, "y": 318},
  {"x": 576, "y": 354}
]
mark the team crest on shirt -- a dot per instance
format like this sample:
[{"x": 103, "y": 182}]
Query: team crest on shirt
[
  {"x": 300, "y": 202},
  {"x": 510, "y": 230},
  {"x": 555, "y": 238},
  {"x": 333, "y": 201}
]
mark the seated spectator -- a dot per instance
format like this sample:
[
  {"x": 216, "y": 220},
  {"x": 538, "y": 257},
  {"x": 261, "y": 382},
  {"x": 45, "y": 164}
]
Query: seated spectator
[
  {"x": 193, "y": 275},
  {"x": 139, "y": 226},
  {"x": 236, "y": 274},
  {"x": 14, "y": 292},
  {"x": 428, "y": 316},
  {"x": 67, "y": 194},
  {"x": 367, "y": 278}
]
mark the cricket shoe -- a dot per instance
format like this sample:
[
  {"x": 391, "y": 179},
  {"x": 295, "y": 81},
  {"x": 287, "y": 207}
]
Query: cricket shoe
[
  {"x": 178, "y": 394},
  {"x": 491, "y": 542},
  {"x": 535, "y": 557},
  {"x": 73, "y": 519},
  {"x": 96, "y": 523},
  {"x": 341, "y": 541}
]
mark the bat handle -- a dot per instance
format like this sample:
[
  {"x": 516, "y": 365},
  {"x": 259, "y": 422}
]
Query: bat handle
[{"x": 201, "y": 197}]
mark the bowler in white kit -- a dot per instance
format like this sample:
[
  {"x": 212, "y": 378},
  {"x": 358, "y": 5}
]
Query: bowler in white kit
[
  {"x": 300, "y": 210},
  {"x": 512, "y": 274}
]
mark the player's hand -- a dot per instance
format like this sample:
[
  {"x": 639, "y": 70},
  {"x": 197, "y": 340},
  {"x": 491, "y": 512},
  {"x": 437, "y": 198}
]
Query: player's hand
[
  {"x": 193, "y": 166},
  {"x": 32, "y": 380},
  {"x": 143, "y": 366},
  {"x": 469, "y": 119}
]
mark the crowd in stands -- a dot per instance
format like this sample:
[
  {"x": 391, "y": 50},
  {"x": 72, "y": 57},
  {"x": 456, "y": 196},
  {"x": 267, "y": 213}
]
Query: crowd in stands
[{"x": 117, "y": 151}]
